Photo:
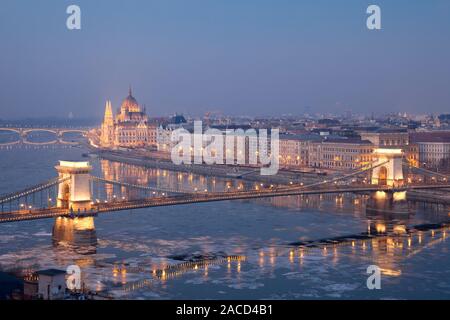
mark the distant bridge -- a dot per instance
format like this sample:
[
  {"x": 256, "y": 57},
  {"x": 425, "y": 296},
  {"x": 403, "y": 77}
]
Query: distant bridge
[{"x": 23, "y": 134}]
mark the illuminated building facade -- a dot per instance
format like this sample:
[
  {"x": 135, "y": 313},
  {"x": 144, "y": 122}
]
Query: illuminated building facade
[
  {"x": 345, "y": 154},
  {"x": 130, "y": 128},
  {"x": 295, "y": 149},
  {"x": 434, "y": 149},
  {"x": 314, "y": 151}
]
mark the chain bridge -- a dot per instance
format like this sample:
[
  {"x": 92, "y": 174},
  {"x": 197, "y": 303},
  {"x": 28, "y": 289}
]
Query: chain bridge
[{"x": 75, "y": 191}]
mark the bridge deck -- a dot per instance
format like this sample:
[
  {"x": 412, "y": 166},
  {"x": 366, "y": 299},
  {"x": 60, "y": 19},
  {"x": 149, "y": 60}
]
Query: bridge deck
[{"x": 24, "y": 215}]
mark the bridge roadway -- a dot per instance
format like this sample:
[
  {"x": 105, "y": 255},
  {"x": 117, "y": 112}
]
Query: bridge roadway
[
  {"x": 200, "y": 198},
  {"x": 33, "y": 214}
]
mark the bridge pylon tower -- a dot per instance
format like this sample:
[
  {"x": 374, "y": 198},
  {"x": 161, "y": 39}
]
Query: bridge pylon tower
[
  {"x": 75, "y": 191},
  {"x": 389, "y": 170}
]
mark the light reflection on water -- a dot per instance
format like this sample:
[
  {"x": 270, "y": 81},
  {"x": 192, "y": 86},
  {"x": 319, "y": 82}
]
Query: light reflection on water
[
  {"x": 121, "y": 252},
  {"x": 79, "y": 233}
]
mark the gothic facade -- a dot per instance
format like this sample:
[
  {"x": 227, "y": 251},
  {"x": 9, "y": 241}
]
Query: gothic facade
[{"x": 130, "y": 128}]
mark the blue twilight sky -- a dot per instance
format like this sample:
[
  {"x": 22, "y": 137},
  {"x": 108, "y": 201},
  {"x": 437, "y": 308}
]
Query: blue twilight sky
[{"x": 247, "y": 57}]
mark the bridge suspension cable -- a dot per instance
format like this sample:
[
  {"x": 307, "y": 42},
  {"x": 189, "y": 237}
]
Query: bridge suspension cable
[
  {"x": 430, "y": 172},
  {"x": 31, "y": 190},
  {"x": 135, "y": 186},
  {"x": 336, "y": 179}
]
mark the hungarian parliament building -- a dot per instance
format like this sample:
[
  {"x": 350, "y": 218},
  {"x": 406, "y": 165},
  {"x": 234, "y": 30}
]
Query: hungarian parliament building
[{"x": 129, "y": 128}]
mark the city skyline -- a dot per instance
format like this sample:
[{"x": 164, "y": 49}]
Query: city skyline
[{"x": 241, "y": 59}]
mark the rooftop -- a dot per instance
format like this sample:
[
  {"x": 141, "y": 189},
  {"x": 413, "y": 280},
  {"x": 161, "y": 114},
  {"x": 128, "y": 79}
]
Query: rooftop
[
  {"x": 51, "y": 272},
  {"x": 391, "y": 130},
  {"x": 348, "y": 141},
  {"x": 300, "y": 137},
  {"x": 230, "y": 127},
  {"x": 380, "y": 130},
  {"x": 436, "y": 136}
]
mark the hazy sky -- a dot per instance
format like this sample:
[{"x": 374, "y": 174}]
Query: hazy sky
[{"x": 249, "y": 57}]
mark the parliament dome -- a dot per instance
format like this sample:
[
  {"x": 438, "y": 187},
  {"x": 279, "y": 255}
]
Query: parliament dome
[{"x": 130, "y": 104}]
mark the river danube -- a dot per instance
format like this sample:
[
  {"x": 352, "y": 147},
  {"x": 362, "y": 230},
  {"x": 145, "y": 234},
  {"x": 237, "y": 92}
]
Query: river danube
[{"x": 248, "y": 243}]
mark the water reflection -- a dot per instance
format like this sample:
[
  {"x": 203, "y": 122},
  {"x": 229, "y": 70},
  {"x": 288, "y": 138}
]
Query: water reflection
[
  {"x": 388, "y": 252},
  {"x": 77, "y": 233},
  {"x": 337, "y": 202},
  {"x": 164, "y": 180},
  {"x": 176, "y": 270}
]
